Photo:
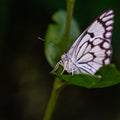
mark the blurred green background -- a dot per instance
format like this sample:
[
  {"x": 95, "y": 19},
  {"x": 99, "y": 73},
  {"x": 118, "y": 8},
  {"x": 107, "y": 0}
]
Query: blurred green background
[{"x": 25, "y": 82}]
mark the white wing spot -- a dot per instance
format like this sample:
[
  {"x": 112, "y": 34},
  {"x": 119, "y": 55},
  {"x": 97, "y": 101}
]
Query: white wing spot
[
  {"x": 100, "y": 53},
  {"x": 97, "y": 41},
  {"x": 107, "y": 61},
  {"x": 95, "y": 49},
  {"x": 106, "y": 45},
  {"x": 108, "y": 34},
  {"x": 99, "y": 60},
  {"x": 109, "y": 52},
  {"x": 84, "y": 39},
  {"x": 107, "y": 18},
  {"x": 102, "y": 15},
  {"x": 86, "y": 58},
  {"x": 81, "y": 51},
  {"x": 109, "y": 22},
  {"x": 110, "y": 12},
  {"x": 88, "y": 48},
  {"x": 109, "y": 28}
]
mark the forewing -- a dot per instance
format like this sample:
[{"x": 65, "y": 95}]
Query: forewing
[{"x": 92, "y": 49}]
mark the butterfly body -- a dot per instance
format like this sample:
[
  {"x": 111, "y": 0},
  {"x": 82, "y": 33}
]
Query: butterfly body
[
  {"x": 69, "y": 64},
  {"x": 92, "y": 49}
]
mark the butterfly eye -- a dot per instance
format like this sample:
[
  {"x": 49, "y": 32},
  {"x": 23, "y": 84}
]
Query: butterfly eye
[{"x": 65, "y": 57}]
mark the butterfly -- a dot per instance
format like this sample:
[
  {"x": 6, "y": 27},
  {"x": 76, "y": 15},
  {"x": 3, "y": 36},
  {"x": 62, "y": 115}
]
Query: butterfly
[{"x": 92, "y": 49}]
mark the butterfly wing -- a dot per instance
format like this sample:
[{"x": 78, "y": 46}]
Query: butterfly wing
[{"x": 92, "y": 49}]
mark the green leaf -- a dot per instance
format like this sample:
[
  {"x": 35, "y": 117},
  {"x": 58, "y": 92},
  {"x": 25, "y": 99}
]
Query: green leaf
[
  {"x": 55, "y": 37},
  {"x": 110, "y": 76},
  {"x": 105, "y": 77}
]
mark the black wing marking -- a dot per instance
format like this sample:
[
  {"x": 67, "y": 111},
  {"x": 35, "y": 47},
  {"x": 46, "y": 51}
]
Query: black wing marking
[{"x": 92, "y": 49}]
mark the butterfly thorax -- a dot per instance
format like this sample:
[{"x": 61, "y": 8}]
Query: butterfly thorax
[{"x": 68, "y": 64}]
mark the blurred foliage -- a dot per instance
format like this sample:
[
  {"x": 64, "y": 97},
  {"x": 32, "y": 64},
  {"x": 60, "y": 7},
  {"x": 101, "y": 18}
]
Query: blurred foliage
[
  {"x": 25, "y": 81},
  {"x": 54, "y": 43}
]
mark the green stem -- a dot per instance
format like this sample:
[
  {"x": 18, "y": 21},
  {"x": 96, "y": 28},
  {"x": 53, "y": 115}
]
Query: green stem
[
  {"x": 70, "y": 6},
  {"x": 60, "y": 84},
  {"x": 57, "y": 87}
]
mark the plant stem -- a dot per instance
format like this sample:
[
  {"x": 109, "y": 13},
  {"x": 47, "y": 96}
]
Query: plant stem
[
  {"x": 70, "y": 6},
  {"x": 60, "y": 84},
  {"x": 57, "y": 87}
]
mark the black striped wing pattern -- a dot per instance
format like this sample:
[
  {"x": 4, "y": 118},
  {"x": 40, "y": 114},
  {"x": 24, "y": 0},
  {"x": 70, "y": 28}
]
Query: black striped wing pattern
[{"x": 92, "y": 49}]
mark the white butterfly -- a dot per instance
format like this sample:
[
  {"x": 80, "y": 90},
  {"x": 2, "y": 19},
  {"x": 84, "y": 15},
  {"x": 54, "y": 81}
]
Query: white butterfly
[{"x": 92, "y": 49}]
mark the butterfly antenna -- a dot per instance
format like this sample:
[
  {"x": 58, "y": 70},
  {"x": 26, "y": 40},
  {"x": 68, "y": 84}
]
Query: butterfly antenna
[{"x": 40, "y": 38}]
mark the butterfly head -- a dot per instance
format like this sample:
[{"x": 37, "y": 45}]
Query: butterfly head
[
  {"x": 65, "y": 57},
  {"x": 68, "y": 64}
]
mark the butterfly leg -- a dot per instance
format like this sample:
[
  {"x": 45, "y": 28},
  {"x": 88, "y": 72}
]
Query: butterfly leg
[
  {"x": 72, "y": 71},
  {"x": 62, "y": 71},
  {"x": 56, "y": 67}
]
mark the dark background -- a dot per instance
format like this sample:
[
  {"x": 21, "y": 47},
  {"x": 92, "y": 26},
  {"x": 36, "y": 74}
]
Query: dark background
[{"x": 25, "y": 82}]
